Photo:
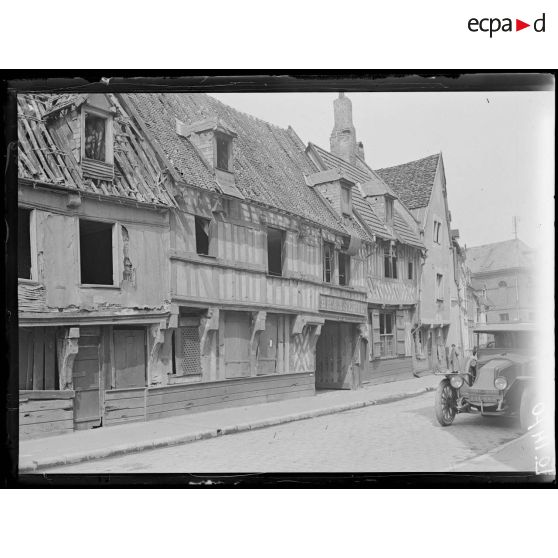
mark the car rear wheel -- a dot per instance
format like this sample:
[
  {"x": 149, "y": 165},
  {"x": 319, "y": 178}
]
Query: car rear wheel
[
  {"x": 526, "y": 408},
  {"x": 445, "y": 403}
]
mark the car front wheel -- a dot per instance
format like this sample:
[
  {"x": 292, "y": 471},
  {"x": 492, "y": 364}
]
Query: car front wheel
[{"x": 445, "y": 403}]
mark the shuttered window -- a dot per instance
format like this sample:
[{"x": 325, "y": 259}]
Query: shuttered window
[
  {"x": 389, "y": 334},
  {"x": 328, "y": 262},
  {"x": 38, "y": 366}
]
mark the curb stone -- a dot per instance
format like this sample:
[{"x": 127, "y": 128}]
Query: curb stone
[{"x": 34, "y": 465}]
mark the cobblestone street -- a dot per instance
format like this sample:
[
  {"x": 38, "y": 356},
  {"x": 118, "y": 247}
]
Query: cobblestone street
[{"x": 401, "y": 436}]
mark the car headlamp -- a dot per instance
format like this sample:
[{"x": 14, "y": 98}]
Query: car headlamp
[
  {"x": 500, "y": 383},
  {"x": 456, "y": 381}
]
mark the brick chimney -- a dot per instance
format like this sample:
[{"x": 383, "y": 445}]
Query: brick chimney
[{"x": 342, "y": 141}]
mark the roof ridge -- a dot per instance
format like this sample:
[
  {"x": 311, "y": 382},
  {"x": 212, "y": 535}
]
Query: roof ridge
[
  {"x": 409, "y": 162},
  {"x": 242, "y": 113}
]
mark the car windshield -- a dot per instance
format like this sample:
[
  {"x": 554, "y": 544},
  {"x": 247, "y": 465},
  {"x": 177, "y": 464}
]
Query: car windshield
[{"x": 509, "y": 340}]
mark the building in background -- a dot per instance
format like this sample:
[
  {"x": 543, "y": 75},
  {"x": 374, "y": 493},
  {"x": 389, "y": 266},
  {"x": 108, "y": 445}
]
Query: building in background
[
  {"x": 421, "y": 187},
  {"x": 504, "y": 275}
]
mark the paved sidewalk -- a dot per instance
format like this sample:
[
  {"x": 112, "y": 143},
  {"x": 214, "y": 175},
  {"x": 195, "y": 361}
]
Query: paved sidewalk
[{"x": 36, "y": 455}]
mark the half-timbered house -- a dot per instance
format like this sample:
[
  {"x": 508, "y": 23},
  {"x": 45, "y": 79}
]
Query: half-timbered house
[
  {"x": 393, "y": 259},
  {"x": 176, "y": 255}
]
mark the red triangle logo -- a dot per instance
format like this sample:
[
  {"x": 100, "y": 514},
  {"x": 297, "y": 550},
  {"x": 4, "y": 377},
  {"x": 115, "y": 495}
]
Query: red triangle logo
[{"x": 519, "y": 25}]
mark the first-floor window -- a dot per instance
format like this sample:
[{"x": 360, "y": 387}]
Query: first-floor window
[
  {"x": 96, "y": 252},
  {"x": 24, "y": 243},
  {"x": 504, "y": 317},
  {"x": 202, "y": 236},
  {"x": 390, "y": 262},
  {"x": 410, "y": 272},
  {"x": 344, "y": 269},
  {"x": 328, "y": 262},
  {"x": 387, "y": 334},
  {"x": 439, "y": 286}
]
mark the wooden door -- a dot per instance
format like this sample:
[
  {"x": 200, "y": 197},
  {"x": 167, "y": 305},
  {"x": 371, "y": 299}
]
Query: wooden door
[
  {"x": 129, "y": 358},
  {"x": 267, "y": 349},
  {"x": 237, "y": 344},
  {"x": 87, "y": 379}
]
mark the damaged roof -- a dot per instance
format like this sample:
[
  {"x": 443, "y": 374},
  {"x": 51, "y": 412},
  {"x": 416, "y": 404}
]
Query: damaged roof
[
  {"x": 368, "y": 179},
  {"x": 269, "y": 162},
  {"x": 499, "y": 256},
  {"x": 413, "y": 181},
  {"x": 45, "y": 154}
]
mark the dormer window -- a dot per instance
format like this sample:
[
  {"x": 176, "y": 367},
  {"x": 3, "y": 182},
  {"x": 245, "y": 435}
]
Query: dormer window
[
  {"x": 96, "y": 143},
  {"x": 346, "y": 201},
  {"x": 223, "y": 146},
  {"x": 95, "y": 137},
  {"x": 389, "y": 210}
]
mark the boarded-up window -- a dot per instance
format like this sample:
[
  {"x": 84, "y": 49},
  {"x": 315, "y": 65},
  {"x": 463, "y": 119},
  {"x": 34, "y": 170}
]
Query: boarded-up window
[
  {"x": 267, "y": 348},
  {"x": 237, "y": 344},
  {"x": 129, "y": 351},
  {"x": 95, "y": 244},
  {"x": 328, "y": 262},
  {"x": 344, "y": 269},
  {"x": 186, "y": 348},
  {"x": 95, "y": 137},
  {"x": 202, "y": 236},
  {"x": 38, "y": 366},
  {"x": 23, "y": 244},
  {"x": 275, "y": 247}
]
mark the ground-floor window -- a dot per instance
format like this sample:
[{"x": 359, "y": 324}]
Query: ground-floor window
[
  {"x": 186, "y": 348},
  {"x": 387, "y": 334}
]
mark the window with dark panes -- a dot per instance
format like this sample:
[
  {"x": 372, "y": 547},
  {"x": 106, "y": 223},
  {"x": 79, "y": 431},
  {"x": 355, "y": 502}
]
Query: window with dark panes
[
  {"x": 275, "y": 240},
  {"x": 95, "y": 246},
  {"x": 328, "y": 262},
  {"x": 390, "y": 262},
  {"x": 24, "y": 243},
  {"x": 387, "y": 334},
  {"x": 344, "y": 269},
  {"x": 504, "y": 317},
  {"x": 410, "y": 271},
  {"x": 202, "y": 236},
  {"x": 95, "y": 137},
  {"x": 223, "y": 152}
]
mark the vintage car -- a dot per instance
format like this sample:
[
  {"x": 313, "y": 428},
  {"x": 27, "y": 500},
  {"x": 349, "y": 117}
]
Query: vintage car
[{"x": 498, "y": 380}]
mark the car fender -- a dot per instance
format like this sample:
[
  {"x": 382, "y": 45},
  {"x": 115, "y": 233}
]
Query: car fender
[{"x": 513, "y": 394}]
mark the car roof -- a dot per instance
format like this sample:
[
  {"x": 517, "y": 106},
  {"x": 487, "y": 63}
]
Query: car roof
[{"x": 495, "y": 328}]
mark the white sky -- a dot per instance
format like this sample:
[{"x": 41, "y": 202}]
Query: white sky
[{"x": 498, "y": 147}]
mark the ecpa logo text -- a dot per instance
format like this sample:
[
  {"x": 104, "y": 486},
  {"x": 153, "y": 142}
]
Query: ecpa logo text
[{"x": 494, "y": 24}]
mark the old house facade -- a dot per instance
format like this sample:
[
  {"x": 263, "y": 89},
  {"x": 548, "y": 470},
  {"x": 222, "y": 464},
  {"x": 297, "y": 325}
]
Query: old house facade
[
  {"x": 393, "y": 258},
  {"x": 176, "y": 255},
  {"x": 504, "y": 273},
  {"x": 421, "y": 186}
]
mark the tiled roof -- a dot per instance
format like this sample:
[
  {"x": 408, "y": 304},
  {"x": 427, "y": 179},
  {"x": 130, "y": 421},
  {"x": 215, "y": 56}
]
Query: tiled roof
[
  {"x": 44, "y": 155},
  {"x": 269, "y": 162},
  {"x": 412, "y": 182},
  {"x": 370, "y": 180},
  {"x": 499, "y": 256}
]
